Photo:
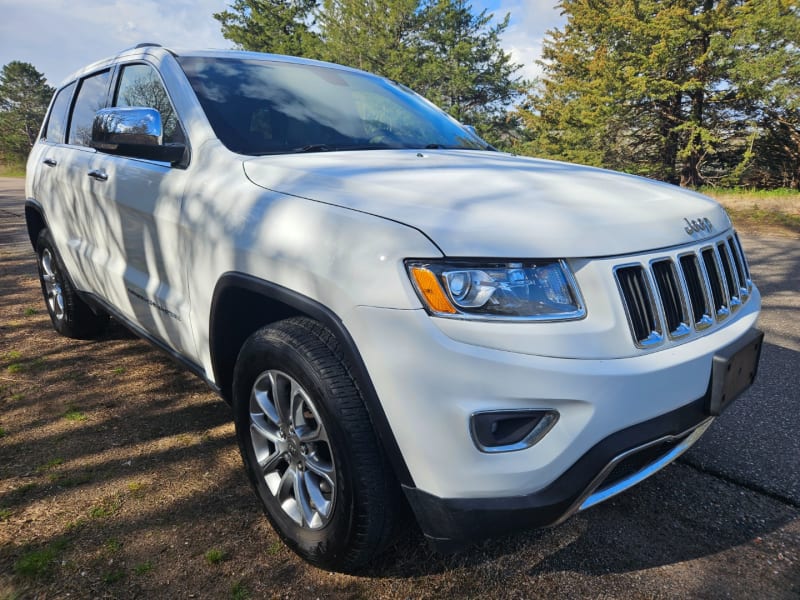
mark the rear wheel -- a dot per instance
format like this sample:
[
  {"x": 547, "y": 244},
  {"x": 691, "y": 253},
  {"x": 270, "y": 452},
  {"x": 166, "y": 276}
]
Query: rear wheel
[
  {"x": 71, "y": 316},
  {"x": 309, "y": 446}
]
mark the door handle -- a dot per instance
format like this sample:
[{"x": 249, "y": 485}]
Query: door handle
[
  {"x": 98, "y": 174},
  {"x": 50, "y": 162}
]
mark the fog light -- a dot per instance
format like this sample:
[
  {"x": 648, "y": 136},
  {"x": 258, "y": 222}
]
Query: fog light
[{"x": 509, "y": 430}]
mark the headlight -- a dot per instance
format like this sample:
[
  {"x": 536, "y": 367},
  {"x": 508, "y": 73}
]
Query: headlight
[{"x": 534, "y": 290}]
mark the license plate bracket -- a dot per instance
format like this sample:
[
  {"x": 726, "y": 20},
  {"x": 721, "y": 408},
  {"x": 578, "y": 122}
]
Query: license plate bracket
[{"x": 733, "y": 370}]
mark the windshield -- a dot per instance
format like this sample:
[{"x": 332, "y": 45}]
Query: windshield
[{"x": 271, "y": 107}]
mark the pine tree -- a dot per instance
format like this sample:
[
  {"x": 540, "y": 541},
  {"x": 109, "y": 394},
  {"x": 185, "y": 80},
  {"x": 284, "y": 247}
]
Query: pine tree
[
  {"x": 276, "y": 26},
  {"x": 24, "y": 97}
]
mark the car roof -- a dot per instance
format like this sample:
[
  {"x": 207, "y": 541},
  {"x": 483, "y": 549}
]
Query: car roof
[{"x": 145, "y": 49}]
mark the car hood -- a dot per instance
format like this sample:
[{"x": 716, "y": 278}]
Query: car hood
[{"x": 491, "y": 204}]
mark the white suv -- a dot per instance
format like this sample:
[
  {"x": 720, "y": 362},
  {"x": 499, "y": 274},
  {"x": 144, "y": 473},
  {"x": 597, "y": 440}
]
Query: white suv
[{"x": 388, "y": 302}]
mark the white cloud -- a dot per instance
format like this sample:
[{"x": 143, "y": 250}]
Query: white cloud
[
  {"x": 530, "y": 21},
  {"x": 61, "y": 37}
]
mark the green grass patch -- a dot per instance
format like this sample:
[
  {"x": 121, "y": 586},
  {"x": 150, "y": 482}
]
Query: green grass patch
[
  {"x": 107, "y": 508},
  {"x": 12, "y": 355},
  {"x": 766, "y": 217},
  {"x": 5, "y": 514},
  {"x": 17, "y": 397},
  {"x": 24, "y": 489},
  {"x": 239, "y": 591},
  {"x": 215, "y": 556},
  {"x": 143, "y": 568},
  {"x": 749, "y": 192},
  {"x": 113, "y": 545},
  {"x": 118, "y": 370},
  {"x": 12, "y": 169},
  {"x": 275, "y": 547},
  {"x": 38, "y": 563},
  {"x": 50, "y": 464},
  {"x": 73, "y": 414},
  {"x": 114, "y": 576},
  {"x": 15, "y": 368},
  {"x": 2, "y": 432},
  {"x": 69, "y": 482},
  {"x": 29, "y": 312}
]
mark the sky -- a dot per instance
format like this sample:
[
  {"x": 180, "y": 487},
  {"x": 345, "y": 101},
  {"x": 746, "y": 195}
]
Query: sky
[{"x": 59, "y": 37}]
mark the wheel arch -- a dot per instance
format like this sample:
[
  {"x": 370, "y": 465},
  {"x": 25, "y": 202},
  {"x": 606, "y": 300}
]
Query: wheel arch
[
  {"x": 242, "y": 304},
  {"x": 34, "y": 220}
]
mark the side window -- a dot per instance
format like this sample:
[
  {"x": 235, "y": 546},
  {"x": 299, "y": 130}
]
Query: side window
[
  {"x": 140, "y": 85},
  {"x": 91, "y": 98},
  {"x": 57, "y": 120}
]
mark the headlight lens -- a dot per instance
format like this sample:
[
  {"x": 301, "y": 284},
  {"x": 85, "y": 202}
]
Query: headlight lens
[{"x": 534, "y": 290}]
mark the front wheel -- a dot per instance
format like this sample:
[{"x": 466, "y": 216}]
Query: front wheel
[
  {"x": 71, "y": 316},
  {"x": 309, "y": 446}
]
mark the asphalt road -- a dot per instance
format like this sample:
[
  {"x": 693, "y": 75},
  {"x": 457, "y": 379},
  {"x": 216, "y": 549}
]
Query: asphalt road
[{"x": 739, "y": 484}]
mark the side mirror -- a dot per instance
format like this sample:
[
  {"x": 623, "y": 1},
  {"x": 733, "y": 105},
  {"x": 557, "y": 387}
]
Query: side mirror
[{"x": 133, "y": 131}]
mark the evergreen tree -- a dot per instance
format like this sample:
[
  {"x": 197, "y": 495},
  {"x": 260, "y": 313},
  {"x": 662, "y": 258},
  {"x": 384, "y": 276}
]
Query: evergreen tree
[
  {"x": 767, "y": 76},
  {"x": 667, "y": 88},
  {"x": 276, "y": 26},
  {"x": 24, "y": 97}
]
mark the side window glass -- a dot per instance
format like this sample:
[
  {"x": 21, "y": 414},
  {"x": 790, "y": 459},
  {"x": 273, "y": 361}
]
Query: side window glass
[
  {"x": 57, "y": 120},
  {"x": 140, "y": 85},
  {"x": 91, "y": 98}
]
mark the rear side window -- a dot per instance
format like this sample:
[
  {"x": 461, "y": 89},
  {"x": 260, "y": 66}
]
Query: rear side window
[
  {"x": 140, "y": 85},
  {"x": 91, "y": 98},
  {"x": 57, "y": 121}
]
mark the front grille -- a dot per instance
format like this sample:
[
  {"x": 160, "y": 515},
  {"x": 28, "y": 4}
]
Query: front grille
[{"x": 671, "y": 295}]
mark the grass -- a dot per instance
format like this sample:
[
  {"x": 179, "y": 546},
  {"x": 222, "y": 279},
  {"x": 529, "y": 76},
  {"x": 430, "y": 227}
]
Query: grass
[
  {"x": 143, "y": 568},
  {"x": 5, "y": 514},
  {"x": 29, "y": 312},
  {"x": 15, "y": 368},
  {"x": 113, "y": 576},
  {"x": 12, "y": 169},
  {"x": 766, "y": 217},
  {"x": 118, "y": 370},
  {"x": 2, "y": 432},
  {"x": 239, "y": 591},
  {"x": 38, "y": 563},
  {"x": 750, "y": 192},
  {"x": 275, "y": 547},
  {"x": 215, "y": 556},
  {"x": 50, "y": 464},
  {"x": 107, "y": 508},
  {"x": 73, "y": 414},
  {"x": 113, "y": 545},
  {"x": 12, "y": 355},
  {"x": 17, "y": 397},
  {"x": 760, "y": 209}
]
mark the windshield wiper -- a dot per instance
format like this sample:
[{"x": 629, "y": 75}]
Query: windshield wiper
[{"x": 312, "y": 148}]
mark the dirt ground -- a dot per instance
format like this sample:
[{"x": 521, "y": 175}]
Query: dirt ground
[{"x": 120, "y": 478}]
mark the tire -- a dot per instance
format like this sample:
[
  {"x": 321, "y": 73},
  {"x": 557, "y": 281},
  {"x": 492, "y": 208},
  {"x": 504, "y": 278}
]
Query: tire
[
  {"x": 71, "y": 316},
  {"x": 323, "y": 480}
]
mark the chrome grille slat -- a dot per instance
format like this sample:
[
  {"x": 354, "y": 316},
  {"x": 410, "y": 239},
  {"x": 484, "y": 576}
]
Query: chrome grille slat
[{"x": 674, "y": 295}]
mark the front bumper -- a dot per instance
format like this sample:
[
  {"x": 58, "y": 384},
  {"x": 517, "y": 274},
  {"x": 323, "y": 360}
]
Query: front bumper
[
  {"x": 620, "y": 420},
  {"x": 613, "y": 465}
]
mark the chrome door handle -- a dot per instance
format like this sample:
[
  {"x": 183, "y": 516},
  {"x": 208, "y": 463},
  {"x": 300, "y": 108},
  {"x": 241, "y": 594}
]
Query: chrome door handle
[
  {"x": 50, "y": 162},
  {"x": 98, "y": 174}
]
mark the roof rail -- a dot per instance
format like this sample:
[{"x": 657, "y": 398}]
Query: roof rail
[{"x": 146, "y": 45}]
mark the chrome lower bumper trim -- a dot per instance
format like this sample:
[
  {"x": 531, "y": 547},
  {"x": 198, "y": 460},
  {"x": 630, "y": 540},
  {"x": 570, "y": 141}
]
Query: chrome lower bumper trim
[{"x": 592, "y": 497}]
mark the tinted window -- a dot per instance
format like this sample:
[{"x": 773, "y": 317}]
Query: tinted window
[
  {"x": 91, "y": 98},
  {"x": 270, "y": 107},
  {"x": 57, "y": 121},
  {"x": 140, "y": 85}
]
